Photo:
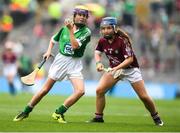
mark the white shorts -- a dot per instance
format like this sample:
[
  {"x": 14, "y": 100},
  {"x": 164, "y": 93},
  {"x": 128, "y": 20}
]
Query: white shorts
[
  {"x": 10, "y": 69},
  {"x": 65, "y": 67},
  {"x": 132, "y": 75}
]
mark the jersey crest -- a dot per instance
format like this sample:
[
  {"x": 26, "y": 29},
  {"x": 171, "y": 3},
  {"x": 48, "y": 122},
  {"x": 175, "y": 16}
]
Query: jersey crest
[
  {"x": 116, "y": 51},
  {"x": 68, "y": 49}
]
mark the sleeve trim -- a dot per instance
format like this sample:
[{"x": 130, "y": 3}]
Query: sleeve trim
[
  {"x": 79, "y": 42},
  {"x": 53, "y": 41}
]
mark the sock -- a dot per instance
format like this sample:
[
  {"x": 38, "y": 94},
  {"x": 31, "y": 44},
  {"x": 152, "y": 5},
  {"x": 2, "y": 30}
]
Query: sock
[
  {"x": 62, "y": 109},
  {"x": 98, "y": 116},
  {"x": 12, "y": 89},
  {"x": 28, "y": 109},
  {"x": 155, "y": 116}
]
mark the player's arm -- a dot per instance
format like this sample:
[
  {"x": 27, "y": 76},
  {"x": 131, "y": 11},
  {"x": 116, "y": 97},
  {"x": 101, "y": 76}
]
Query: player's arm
[
  {"x": 98, "y": 56},
  {"x": 125, "y": 63},
  {"x": 54, "y": 40},
  {"x": 74, "y": 42},
  {"x": 48, "y": 52}
]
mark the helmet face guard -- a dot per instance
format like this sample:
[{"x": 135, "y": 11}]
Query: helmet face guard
[{"x": 108, "y": 21}]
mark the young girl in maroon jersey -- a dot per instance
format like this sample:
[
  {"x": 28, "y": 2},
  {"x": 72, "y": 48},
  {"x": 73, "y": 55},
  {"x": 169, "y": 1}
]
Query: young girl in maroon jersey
[
  {"x": 9, "y": 60},
  {"x": 116, "y": 45}
]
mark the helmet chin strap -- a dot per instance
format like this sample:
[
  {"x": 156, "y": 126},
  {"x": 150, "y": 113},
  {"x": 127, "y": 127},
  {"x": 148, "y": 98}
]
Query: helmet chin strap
[
  {"x": 79, "y": 25},
  {"x": 108, "y": 37}
]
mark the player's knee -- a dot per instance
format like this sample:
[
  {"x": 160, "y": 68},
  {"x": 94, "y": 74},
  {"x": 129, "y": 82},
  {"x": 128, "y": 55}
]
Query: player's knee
[
  {"x": 100, "y": 91},
  {"x": 81, "y": 92}
]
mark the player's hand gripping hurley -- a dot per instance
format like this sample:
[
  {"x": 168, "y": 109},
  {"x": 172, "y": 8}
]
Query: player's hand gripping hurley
[
  {"x": 30, "y": 78},
  {"x": 116, "y": 74}
]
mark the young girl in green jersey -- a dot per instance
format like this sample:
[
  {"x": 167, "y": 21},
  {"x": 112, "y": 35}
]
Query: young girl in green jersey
[{"x": 72, "y": 40}]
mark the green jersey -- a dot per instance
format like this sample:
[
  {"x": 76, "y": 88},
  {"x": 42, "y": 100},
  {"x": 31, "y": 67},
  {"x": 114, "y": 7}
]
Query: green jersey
[{"x": 82, "y": 35}]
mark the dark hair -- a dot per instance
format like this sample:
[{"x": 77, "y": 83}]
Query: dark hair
[{"x": 123, "y": 34}]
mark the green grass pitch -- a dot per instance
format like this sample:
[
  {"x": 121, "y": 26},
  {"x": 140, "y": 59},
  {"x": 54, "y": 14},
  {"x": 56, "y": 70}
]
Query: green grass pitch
[{"x": 121, "y": 115}]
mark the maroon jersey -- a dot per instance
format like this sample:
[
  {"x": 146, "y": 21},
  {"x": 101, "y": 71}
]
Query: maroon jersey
[
  {"x": 9, "y": 57},
  {"x": 117, "y": 51}
]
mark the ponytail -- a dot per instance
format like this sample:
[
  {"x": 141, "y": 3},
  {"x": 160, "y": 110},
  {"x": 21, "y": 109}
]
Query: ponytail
[{"x": 123, "y": 34}]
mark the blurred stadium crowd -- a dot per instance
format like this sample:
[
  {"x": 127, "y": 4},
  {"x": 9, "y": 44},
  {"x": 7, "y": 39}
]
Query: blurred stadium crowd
[{"x": 26, "y": 27}]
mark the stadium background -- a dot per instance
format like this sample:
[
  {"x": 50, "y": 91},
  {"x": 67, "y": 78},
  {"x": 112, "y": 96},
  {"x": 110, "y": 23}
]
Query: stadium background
[{"x": 153, "y": 25}]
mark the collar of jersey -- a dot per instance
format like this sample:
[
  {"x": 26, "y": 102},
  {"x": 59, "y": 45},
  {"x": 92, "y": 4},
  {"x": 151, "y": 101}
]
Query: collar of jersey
[{"x": 79, "y": 29}]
